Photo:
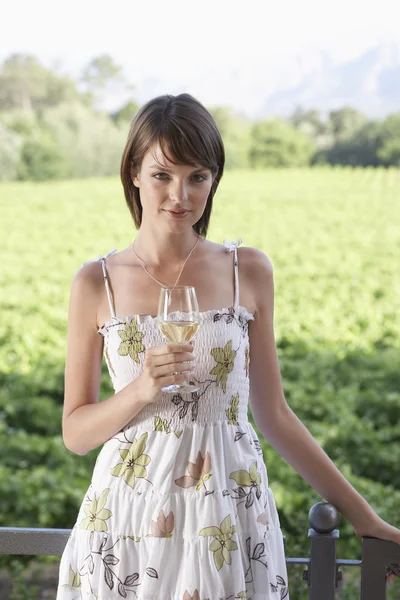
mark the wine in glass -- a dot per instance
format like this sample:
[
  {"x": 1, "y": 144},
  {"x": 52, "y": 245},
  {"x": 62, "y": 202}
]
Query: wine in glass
[{"x": 179, "y": 319}]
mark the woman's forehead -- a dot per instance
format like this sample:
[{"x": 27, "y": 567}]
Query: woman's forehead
[{"x": 158, "y": 156}]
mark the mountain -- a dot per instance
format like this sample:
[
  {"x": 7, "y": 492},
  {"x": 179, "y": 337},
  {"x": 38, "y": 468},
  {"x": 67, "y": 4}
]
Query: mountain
[
  {"x": 276, "y": 85},
  {"x": 370, "y": 83}
]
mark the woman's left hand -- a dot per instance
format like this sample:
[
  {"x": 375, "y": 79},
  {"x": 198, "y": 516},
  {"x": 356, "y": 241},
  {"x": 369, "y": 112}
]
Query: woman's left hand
[{"x": 378, "y": 528}]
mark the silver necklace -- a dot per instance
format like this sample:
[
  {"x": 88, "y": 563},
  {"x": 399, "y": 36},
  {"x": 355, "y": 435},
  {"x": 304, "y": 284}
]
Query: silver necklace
[{"x": 180, "y": 272}]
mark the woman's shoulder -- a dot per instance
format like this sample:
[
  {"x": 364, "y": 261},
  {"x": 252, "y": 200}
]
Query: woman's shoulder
[
  {"x": 90, "y": 274},
  {"x": 254, "y": 261}
]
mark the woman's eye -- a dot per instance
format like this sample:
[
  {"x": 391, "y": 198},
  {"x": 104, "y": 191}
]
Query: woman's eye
[{"x": 164, "y": 176}]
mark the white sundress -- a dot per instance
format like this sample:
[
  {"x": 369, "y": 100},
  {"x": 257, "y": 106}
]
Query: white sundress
[{"x": 179, "y": 506}]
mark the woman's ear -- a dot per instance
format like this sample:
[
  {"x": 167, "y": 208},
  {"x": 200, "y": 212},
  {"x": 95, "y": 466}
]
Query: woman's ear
[{"x": 134, "y": 176}]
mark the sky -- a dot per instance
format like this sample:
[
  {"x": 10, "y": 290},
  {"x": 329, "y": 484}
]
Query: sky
[{"x": 174, "y": 46}]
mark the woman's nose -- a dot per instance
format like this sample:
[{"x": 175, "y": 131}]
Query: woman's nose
[{"x": 178, "y": 191}]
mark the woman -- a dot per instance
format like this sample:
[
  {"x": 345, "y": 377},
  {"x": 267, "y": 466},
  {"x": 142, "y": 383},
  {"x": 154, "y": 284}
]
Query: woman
[{"x": 179, "y": 505}]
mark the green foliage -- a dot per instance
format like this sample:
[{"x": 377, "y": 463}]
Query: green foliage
[
  {"x": 89, "y": 141},
  {"x": 336, "y": 328},
  {"x": 359, "y": 149},
  {"x": 10, "y": 144},
  {"x": 346, "y": 121},
  {"x": 235, "y": 131},
  {"x": 125, "y": 114},
  {"x": 102, "y": 73},
  {"x": 26, "y": 84},
  {"x": 389, "y": 152},
  {"x": 19, "y": 590},
  {"x": 60, "y": 131},
  {"x": 41, "y": 158},
  {"x": 277, "y": 143}
]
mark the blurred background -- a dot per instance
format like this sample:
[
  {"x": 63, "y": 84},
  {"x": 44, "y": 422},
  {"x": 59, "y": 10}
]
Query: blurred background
[{"x": 307, "y": 98}]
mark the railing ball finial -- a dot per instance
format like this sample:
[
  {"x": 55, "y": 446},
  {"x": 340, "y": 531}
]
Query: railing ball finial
[{"x": 323, "y": 517}]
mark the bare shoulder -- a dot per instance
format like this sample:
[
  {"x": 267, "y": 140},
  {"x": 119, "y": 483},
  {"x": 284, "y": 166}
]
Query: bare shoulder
[
  {"x": 89, "y": 277},
  {"x": 86, "y": 291},
  {"x": 255, "y": 262},
  {"x": 256, "y": 271}
]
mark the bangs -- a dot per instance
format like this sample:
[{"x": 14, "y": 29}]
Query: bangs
[{"x": 183, "y": 147}]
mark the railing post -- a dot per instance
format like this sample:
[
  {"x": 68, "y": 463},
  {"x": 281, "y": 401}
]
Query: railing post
[
  {"x": 377, "y": 554},
  {"x": 322, "y": 576}
]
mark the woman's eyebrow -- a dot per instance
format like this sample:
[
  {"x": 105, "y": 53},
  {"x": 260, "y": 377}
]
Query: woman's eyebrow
[{"x": 165, "y": 168}]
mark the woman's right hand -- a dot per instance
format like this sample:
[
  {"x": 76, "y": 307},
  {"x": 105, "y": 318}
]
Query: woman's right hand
[{"x": 164, "y": 365}]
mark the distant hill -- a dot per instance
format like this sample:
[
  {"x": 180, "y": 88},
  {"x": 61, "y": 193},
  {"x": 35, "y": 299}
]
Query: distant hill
[{"x": 370, "y": 83}]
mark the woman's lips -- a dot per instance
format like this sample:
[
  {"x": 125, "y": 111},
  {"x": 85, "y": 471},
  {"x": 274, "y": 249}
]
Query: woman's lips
[{"x": 178, "y": 214}]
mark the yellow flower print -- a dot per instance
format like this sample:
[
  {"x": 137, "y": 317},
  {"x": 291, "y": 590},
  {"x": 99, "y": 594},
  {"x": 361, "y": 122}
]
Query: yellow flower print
[
  {"x": 96, "y": 514},
  {"x": 163, "y": 527},
  {"x": 247, "y": 478},
  {"x": 160, "y": 424},
  {"x": 232, "y": 412},
  {"x": 131, "y": 341},
  {"x": 225, "y": 358},
  {"x": 74, "y": 579},
  {"x": 199, "y": 472},
  {"x": 222, "y": 544},
  {"x": 134, "y": 462}
]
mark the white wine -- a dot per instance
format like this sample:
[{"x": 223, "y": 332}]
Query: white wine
[{"x": 179, "y": 332}]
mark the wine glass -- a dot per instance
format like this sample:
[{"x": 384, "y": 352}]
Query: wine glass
[{"x": 178, "y": 318}]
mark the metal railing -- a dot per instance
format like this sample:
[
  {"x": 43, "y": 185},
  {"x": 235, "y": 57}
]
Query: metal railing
[{"x": 322, "y": 572}]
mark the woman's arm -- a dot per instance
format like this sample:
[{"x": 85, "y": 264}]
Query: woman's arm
[
  {"x": 278, "y": 423},
  {"x": 87, "y": 423}
]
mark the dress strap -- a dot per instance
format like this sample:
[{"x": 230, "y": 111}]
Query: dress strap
[
  {"x": 232, "y": 247},
  {"x": 103, "y": 259}
]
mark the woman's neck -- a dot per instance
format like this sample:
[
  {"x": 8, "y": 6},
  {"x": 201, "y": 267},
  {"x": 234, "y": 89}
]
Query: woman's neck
[{"x": 157, "y": 249}]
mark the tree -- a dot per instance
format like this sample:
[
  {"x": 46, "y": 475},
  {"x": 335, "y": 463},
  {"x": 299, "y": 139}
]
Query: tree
[
  {"x": 26, "y": 84},
  {"x": 126, "y": 113},
  {"x": 235, "y": 132},
  {"x": 102, "y": 74},
  {"x": 309, "y": 121},
  {"x": 90, "y": 141},
  {"x": 10, "y": 147},
  {"x": 277, "y": 143},
  {"x": 389, "y": 151},
  {"x": 360, "y": 149},
  {"x": 41, "y": 159},
  {"x": 346, "y": 121}
]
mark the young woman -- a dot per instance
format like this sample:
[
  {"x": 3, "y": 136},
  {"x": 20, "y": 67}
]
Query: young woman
[{"x": 179, "y": 506}]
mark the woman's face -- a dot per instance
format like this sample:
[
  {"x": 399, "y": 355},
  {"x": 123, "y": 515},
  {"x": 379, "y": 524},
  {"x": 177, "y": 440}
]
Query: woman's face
[{"x": 174, "y": 195}]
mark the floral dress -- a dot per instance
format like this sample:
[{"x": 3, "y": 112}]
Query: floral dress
[{"x": 179, "y": 506}]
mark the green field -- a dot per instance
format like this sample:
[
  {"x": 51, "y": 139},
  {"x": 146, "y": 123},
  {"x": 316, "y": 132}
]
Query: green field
[{"x": 333, "y": 236}]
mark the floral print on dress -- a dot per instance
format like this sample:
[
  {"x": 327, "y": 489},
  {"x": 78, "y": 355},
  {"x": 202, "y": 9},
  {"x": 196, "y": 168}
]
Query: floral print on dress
[
  {"x": 232, "y": 412},
  {"x": 225, "y": 358},
  {"x": 180, "y": 466},
  {"x": 222, "y": 544},
  {"x": 199, "y": 472},
  {"x": 74, "y": 578},
  {"x": 163, "y": 527},
  {"x": 134, "y": 462},
  {"x": 96, "y": 514},
  {"x": 251, "y": 479},
  {"x": 131, "y": 341}
]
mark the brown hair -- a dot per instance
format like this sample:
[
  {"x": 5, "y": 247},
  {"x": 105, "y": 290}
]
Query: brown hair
[{"x": 182, "y": 125}]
